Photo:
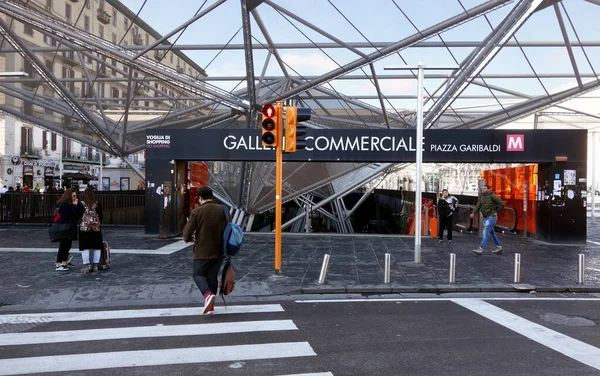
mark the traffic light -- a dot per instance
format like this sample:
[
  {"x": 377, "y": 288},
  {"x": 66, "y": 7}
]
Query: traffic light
[
  {"x": 272, "y": 120},
  {"x": 294, "y": 134}
]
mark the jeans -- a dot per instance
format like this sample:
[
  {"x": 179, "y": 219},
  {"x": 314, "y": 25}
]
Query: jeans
[
  {"x": 488, "y": 230},
  {"x": 205, "y": 274}
]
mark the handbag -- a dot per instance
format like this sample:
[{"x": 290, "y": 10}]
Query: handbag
[{"x": 60, "y": 231}]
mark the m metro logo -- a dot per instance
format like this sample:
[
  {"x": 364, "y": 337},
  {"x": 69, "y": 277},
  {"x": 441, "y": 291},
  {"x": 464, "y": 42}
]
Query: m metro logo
[{"x": 515, "y": 142}]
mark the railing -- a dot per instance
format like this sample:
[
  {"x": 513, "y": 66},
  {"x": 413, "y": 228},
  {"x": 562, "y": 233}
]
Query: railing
[
  {"x": 507, "y": 219},
  {"x": 118, "y": 208},
  {"x": 29, "y": 151},
  {"x": 81, "y": 156}
]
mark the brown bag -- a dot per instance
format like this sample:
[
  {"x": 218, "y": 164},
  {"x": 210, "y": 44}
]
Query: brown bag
[{"x": 227, "y": 279}]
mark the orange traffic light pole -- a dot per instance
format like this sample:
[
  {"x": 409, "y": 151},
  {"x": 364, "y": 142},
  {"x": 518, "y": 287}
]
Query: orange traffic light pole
[{"x": 278, "y": 184}]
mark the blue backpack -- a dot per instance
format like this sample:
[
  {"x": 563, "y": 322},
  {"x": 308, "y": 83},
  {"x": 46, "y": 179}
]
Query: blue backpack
[{"x": 232, "y": 237}]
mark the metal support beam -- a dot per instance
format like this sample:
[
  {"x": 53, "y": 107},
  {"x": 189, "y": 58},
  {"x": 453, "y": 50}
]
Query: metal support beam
[
  {"x": 315, "y": 28},
  {"x": 181, "y": 27},
  {"x": 90, "y": 83},
  {"x": 51, "y": 127},
  {"x": 247, "y": 32},
  {"x": 143, "y": 64},
  {"x": 378, "y": 171},
  {"x": 407, "y": 42},
  {"x": 11, "y": 36},
  {"x": 380, "y": 95},
  {"x": 324, "y": 45},
  {"x": 487, "y": 51},
  {"x": 563, "y": 31},
  {"x": 272, "y": 48},
  {"x": 529, "y": 107}
]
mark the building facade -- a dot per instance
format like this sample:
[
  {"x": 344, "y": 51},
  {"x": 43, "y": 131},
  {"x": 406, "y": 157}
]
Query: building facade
[{"x": 39, "y": 158}]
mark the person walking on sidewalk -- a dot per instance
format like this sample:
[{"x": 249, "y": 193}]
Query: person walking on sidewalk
[
  {"x": 90, "y": 232},
  {"x": 446, "y": 206},
  {"x": 205, "y": 229},
  {"x": 490, "y": 205}
]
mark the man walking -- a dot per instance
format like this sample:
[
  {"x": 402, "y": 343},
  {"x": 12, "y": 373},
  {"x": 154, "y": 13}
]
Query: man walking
[
  {"x": 446, "y": 206},
  {"x": 490, "y": 205},
  {"x": 205, "y": 228}
]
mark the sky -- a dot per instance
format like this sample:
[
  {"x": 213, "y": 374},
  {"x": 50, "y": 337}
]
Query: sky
[{"x": 382, "y": 21}]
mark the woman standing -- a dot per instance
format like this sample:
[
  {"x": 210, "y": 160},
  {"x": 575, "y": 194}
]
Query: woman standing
[
  {"x": 90, "y": 233},
  {"x": 67, "y": 209}
]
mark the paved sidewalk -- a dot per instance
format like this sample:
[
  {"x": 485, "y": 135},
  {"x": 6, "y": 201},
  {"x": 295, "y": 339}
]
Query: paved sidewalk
[{"x": 147, "y": 270}]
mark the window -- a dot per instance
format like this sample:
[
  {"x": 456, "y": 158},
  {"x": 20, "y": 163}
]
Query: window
[
  {"x": 28, "y": 68},
  {"x": 126, "y": 23},
  {"x": 26, "y": 140},
  {"x": 50, "y": 66},
  {"x": 68, "y": 12},
  {"x": 114, "y": 17},
  {"x": 114, "y": 38},
  {"x": 147, "y": 40},
  {"x": 171, "y": 54},
  {"x": 53, "y": 142},
  {"x": 27, "y": 29},
  {"x": 45, "y": 140},
  {"x": 114, "y": 69},
  {"x": 49, "y": 5},
  {"x": 85, "y": 90},
  {"x": 114, "y": 93},
  {"x": 49, "y": 41},
  {"x": 101, "y": 31},
  {"x": 86, "y": 23},
  {"x": 88, "y": 4}
]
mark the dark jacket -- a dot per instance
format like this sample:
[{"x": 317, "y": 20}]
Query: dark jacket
[
  {"x": 68, "y": 213},
  {"x": 447, "y": 206},
  {"x": 489, "y": 204},
  {"x": 207, "y": 223}
]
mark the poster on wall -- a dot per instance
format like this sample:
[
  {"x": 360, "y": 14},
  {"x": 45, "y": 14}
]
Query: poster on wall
[
  {"x": 570, "y": 178},
  {"x": 106, "y": 184},
  {"x": 124, "y": 184}
]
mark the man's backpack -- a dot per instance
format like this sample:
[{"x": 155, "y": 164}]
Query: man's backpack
[
  {"x": 233, "y": 236},
  {"x": 90, "y": 220}
]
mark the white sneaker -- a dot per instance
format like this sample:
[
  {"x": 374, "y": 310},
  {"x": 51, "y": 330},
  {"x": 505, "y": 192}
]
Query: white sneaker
[
  {"x": 209, "y": 303},
  {"x": 498, "y": 250},
  {"x": 477, "y": 251}
]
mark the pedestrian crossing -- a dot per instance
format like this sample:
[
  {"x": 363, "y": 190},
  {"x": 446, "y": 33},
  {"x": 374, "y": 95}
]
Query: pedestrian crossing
[{"x": 116, "y": 339}]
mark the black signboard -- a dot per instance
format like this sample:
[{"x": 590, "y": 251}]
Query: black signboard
[
  {"x": 27, "y": 170},
  {"x": 48, "y": 171},
  {"x": 358, "y": 145}
]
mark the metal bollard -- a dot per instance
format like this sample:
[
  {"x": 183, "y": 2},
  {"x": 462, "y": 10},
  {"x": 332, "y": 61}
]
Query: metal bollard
[
  {"x": 452, "y": 268},
  {"x": 517, "y": 268},
  {"x": 581, "y": 269},
  {"x": 324, "y": 269},
  {"x": 386, "y": 273}
]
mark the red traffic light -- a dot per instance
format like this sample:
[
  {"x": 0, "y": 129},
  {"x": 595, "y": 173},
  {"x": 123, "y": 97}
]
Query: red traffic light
[{"x": 268, "y": 110}]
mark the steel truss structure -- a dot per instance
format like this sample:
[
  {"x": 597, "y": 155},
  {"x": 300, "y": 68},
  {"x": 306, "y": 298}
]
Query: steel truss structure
[{"x": 475, "y": 95}]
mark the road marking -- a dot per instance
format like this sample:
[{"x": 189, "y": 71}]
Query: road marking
[
  {"x": 575, "y": 349},
  {"x": 391, "y": 300},
  {"x": 120, "y": 359},
  {"x": 33, "y": 318},
  {"x": 165, "y": 250},
  {"x": 151, "y": 331},
  {"x": 597, "y": 243},
  {"x": 312, "y": 374}
]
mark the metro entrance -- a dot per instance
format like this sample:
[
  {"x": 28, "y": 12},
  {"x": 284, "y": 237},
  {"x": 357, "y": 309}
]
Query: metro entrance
[{"x": 559, "y": 192}]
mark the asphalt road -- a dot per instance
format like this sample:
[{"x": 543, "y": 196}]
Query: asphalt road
[{"x": 367, "y": 337}]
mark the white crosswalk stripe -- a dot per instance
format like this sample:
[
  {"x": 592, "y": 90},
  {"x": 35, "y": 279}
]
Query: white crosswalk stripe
[
  {"x": 26, "y": 318},
  {"x": 158, "y": 323}
]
